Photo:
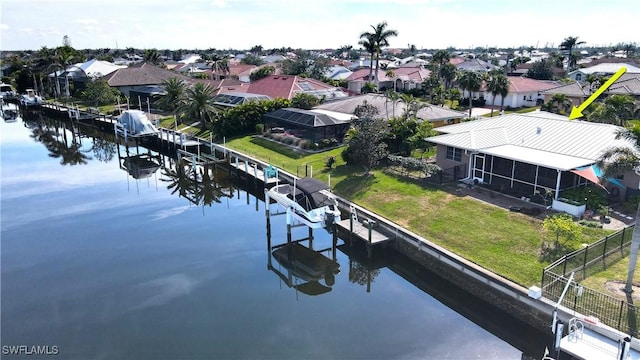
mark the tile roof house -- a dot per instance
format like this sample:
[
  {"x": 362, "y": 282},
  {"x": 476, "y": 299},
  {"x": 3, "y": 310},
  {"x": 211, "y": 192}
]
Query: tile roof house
[
  {"x": 387, "y": 109},
  {"x": 140, "y": 75},
  {"x": 522, "y": 154},
  {"x": 287, "y": 86},
  {"x": 523, "y": 92},
  {"x": 404, "y": 78},
  {"x": 628, "y": 83}
]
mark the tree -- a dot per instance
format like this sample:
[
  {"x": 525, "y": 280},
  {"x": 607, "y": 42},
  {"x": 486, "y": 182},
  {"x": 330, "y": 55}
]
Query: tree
[
  {"x": 559, "y": 104},
  {"x": 540, "y": 70},
  {"x": 152, "y": 56},
  {"x": 261, "y": 73},
  {"x": 568, "y": 44},
  {"x": 304, "y": 101},
  {"x": 251, "y": 59},
  {"x": 199, "y": 104},
  {"x": 615, "y": 161},
  {"x": 471, "y": 82},
  {"x": 98, "y": 91},
  {"x": 498, "y": 84},
  {"x": 369, "y": 46},
  {"x": 380, "y": 38},
  {"x": 365, "y": 140},
  {"x": 562, "y": 225},
  {"x": 174, "y": 97}
]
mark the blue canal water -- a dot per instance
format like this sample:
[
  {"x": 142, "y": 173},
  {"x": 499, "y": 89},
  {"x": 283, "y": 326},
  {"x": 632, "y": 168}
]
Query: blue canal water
[{"x": 96, "y": 264}]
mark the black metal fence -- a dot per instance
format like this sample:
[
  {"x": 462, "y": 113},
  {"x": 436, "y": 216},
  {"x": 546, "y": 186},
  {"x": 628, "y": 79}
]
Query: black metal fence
[
  {"x": 594, "y": 257},
  {"x": 617, "y": 313}
]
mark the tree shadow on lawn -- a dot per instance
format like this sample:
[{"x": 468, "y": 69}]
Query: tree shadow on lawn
[
  {"x": 550, "y": 252},
  {"x": 355, "y": 184}
]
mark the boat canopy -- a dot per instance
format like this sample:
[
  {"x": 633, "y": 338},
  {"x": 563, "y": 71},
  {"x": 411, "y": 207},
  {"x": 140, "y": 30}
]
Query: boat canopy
[
  {"x": 307, "y": 193},
  {"x": 136, "y": 123}
]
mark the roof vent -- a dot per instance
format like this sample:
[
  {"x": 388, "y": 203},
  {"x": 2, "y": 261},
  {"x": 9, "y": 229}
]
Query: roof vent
[{"x": 538, "y": 130}]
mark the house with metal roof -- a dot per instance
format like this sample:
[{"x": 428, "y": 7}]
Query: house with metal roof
[
  {"x": 524, "y": 154},
  {"x": 601, "y": 69},
  {"x": 388, "y": 108},
  {"x": 476, "y": 65}
]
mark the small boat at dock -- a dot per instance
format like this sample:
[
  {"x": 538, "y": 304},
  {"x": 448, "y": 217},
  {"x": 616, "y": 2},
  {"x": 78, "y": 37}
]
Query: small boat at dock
[
  {"x": 31, "y": 99},
  {"x": 10, "y": 112},
  {"x": 309, "y": 201}
]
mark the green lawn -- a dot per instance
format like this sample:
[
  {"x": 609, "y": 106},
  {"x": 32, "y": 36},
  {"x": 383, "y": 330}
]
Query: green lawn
[{"x": 504, "y": 242}]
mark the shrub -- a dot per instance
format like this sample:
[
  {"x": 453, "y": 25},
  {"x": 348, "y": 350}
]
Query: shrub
[
  {"x": 593, "y": 197},
  {"x": 259, "y": 128},
  {"x": 331, "y": 160},
  {"x": 304, "y": 144},
  {"x": 631, "y": 204}
]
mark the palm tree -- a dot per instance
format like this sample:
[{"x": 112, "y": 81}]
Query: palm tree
[
  {"x": 498, "y": 84},
  {"x": 447, "y": 74},
  {"x": 441, "y": 57},
  {"x": 559, "y": 104},
  {"x": 152, "y": 56},
  {"x": 380, "y": 38},
  {"x": 568, "y": 44},
  {"x": 614, "y": 162},
  {"x": 369, "y": 46},
  {"x": 174, "y": 97},
  {"x": 199, "y": 104},
  {"x": 471, "y": 82}
]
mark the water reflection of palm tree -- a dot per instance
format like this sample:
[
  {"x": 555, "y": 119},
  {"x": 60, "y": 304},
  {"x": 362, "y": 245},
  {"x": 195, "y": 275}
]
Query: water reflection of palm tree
[
  {"x": 52, "y": 135},
  {"x": 198, "y": 185},
  {"x": 360, "y": 274}
]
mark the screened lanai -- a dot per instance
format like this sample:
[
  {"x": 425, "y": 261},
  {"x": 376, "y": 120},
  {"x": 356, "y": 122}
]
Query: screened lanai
[
  {"x": 524, "y": 154},
  {"x": 232, "y": 99},
  {"x": 313, "y": 125}
]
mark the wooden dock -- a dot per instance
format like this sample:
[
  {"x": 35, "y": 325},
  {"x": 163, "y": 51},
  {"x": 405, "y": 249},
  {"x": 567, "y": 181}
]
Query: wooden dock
[
  {"x": 254, "y": 171},
  {"x": 361, "y": 230}
]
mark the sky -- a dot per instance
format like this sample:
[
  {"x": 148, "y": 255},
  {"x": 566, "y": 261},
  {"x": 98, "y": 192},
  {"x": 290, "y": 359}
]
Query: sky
[{"x": 312, "y": 24}]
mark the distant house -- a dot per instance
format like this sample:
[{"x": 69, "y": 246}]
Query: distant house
[
  {"x": 78, "y": 74},
  {"x": 601, "y": 69},
  {"x": 140, "y": 75},
  {"x": 387, "y": 109},
  {"x": 337, "y": 72},
  {"x": 403, "y": 78},
  {"x": 287, "y": 86},
  {"x": 476, "y": 65},
  {"x": 574, "y": 91},
  {"x": 522, "y": 154},
  {"x": 523, "y": 92}
]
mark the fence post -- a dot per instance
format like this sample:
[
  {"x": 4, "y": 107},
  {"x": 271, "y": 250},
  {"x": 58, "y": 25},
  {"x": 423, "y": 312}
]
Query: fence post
[
  {"x": 584, "y": 262},
  {"x": 622, "y": 243},
  {"x": 604, "y": 250},
  {"x": 620, "y": 314},
  {"x": 564, "y": 268}
]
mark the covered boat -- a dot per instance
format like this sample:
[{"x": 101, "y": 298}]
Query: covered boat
[
  {"x": 309, "y": 201},
  {"x": 135, "y": 123},
  {"x": 10, "y": 112}
]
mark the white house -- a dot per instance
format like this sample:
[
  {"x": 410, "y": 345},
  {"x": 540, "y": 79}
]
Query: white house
[{"x": 523, "y": 92}]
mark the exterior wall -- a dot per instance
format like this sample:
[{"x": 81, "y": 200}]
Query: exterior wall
[
  {"x": 444, "y": 163},
  {"x": 516, "y": 100},
  {"x": 578, "y": 75}
]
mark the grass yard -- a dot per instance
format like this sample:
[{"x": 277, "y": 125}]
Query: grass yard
[{"x": 504, "y": 242}]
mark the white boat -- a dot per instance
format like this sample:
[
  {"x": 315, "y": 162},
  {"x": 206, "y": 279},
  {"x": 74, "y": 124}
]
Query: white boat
[
  {"x": 7, "y": 92},
  {"x": 30, "y": 98},
  {"x": 10, "y": 112},
  {"x": 308, "y": 200}
]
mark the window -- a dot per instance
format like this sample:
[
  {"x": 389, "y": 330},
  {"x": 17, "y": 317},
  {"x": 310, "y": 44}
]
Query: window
[
  {"x": 454, "y": 154},
  {"x": 578, "y": 77}
]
